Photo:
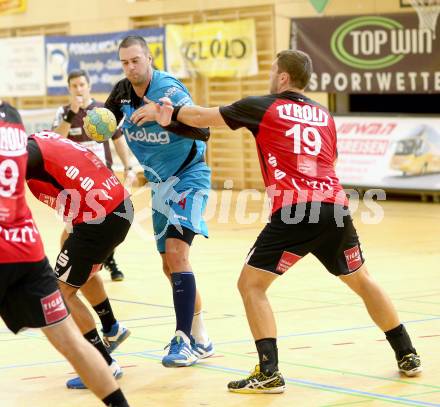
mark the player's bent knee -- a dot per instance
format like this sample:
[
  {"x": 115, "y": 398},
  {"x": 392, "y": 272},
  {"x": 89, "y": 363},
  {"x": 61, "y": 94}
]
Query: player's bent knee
[
  {"x": 359, "y": 281},
  {"x": 248, "y": 286},
  {"x": 242, "y": 284},
  {"x": 177, "y": 261},
  {"x": 67, "y": 290},
  {"x": 166, "y": 270}
]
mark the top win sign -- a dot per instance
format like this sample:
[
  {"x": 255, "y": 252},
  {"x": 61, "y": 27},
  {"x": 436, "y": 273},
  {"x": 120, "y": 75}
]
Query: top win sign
[
  {"x": 370, "y": 54},
  {"x": 378, "y": 42}
]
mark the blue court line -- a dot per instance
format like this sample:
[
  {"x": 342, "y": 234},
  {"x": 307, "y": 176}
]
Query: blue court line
[
  {"x": 50, "y": 362},
  {"x": 32, "y": 334},
  {"x": 344, "y": 372},
  {"x": 298, "y": 382},
  {"x": 171, "y": 322},
  {"x": 142, "y": 303},
  {"x": 142, "y": 318},
  {"x": 327, "y": 331},
  {"x": 236, "y": 341},
  {"x": 318, "y": 386},
  {"x": 331, "y": 304}
]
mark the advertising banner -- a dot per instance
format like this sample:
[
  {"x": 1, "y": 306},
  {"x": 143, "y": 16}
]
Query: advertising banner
[
  {"x": 22, "y": 66},
  {"x": 36, "y": 120},
  {"x": 396, "y": 153},
  {"x": 364, "y": 54},
  {"x": 98, "y": 55},
  {"x": 12, "y": 6},
  {"x": 218, "y": 49}
]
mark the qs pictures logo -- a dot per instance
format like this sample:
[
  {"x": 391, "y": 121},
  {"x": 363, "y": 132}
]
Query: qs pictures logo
[{"x": 375, "y": 42}]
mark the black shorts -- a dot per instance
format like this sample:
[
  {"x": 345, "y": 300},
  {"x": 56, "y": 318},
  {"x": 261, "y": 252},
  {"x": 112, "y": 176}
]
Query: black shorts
[
  {"x": 29, "y": 296},
  {"x": 89, "y": 244},
  {"x": 325, "y": 230},
  {"x": 186, "y": 236}
]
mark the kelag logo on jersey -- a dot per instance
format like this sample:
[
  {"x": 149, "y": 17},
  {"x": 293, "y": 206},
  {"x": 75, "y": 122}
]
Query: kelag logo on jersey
[
  {"x": 142, "y": 135},
  {"x": 375, "y": 42}
]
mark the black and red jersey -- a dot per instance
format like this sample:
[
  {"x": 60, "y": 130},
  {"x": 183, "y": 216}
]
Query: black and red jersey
[
  {"x": 296, "y": 143},
  {"x": 71, "y": 179},
  {"x": 20, "y": 241}
]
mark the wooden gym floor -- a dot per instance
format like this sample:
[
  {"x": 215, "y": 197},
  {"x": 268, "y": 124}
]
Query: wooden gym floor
[{"x": 330, "y": 352}]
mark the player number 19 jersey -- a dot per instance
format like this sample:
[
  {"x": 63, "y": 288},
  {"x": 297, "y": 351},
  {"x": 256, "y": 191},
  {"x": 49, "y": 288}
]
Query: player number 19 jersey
[{"x": 296, "y": 144}]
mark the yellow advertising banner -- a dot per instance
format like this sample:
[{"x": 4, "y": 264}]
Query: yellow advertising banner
[
  {"x": 217, "y": 49},
  {"x": 156, "y": 49},
  {"x": 12, "y": 6}
]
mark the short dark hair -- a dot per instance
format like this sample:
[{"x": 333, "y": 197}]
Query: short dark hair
[
  {"x": 130, "y": 40},
  {"x": 297, "y": 64},
  {"x": 77, "y": 73}
]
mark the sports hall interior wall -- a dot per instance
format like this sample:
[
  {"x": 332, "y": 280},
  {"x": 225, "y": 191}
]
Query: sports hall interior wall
[{"x": 231, "y": 155}]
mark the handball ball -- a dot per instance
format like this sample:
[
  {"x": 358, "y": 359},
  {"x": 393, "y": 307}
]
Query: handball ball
[{"x": 99, "y": 124}]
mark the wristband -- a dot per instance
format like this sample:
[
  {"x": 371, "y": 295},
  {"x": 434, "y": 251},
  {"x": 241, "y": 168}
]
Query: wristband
[
  {"x": 176, "y": 111},
  {"x": 68, "y": 117},
  {"x": 128, "y": 168}
]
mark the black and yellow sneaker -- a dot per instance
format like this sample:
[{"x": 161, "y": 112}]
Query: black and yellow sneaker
[
  {"x": 258, "y": 382},
  {"x": 410, "y": 365}
]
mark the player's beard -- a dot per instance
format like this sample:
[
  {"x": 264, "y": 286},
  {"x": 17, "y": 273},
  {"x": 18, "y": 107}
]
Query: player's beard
[{"x": 139, "y": 79}]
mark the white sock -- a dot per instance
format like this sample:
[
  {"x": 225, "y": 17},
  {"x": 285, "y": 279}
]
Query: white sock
[
  {"x": 183, "y": 336},
  {"x": 198, "y": 330}
]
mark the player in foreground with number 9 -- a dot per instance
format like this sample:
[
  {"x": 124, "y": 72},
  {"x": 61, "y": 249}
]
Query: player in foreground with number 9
[
  {"x": 296, "y": 143},
  {"x": 29, "y": 294},
  {"x": 71, "y": 179}
]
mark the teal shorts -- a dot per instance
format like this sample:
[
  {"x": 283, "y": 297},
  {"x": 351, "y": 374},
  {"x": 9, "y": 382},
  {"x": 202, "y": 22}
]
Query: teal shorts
[{"x": 181, "y": 201}]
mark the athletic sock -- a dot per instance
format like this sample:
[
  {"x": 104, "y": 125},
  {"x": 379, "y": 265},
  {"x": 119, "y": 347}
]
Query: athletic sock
[
  {"x": 400, "y": 341},
  {"x": 268, "y": 355},
  {"x": 105, "y": 314},
  {"x": 110, "y": 258},
  {"x": 95, "y": 340},
  {"x": 115, "y": 399},
  {"x": 184, "y": 296},
  {"x": 198, "y": 330}
]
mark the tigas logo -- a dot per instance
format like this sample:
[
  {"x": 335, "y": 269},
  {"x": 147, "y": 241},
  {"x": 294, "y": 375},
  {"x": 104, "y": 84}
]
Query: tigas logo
[
  {"x": 53, "y": 304},
  {"x": 353, "y": 258},
  {"x": 375, "y": 42},
  {"x": 53, "y": 307}
]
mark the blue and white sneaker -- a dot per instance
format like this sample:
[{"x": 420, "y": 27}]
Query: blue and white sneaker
[
  {"x": 201, "y": 350},
  {"x": 118, "y": 334},
  {"x": 180, "y": 353},
  {"x": 77, "y": 383}
]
